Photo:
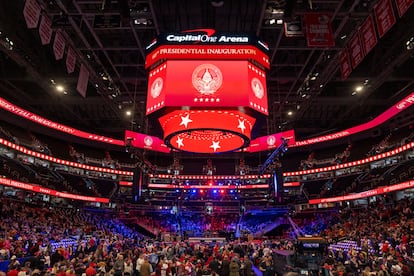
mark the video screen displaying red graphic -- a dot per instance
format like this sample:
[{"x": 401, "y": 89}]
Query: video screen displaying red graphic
[
  {"x": 144, "y": 141},
  {"x": 272, "y": 141},
  {"x": 207, "y": 84}
]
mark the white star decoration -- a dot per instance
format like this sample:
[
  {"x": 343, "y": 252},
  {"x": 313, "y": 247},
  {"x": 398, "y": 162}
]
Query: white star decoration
[
  {"x": 215, "y": 145},
  {"x": 185, "y": 120},
  {"x": 179, "y": 142},
  {"x": 241, "y": 125}
]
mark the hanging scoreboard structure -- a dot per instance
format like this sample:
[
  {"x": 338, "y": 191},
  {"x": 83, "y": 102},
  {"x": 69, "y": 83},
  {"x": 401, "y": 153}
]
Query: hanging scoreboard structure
[{"x": 207, "y": 89}]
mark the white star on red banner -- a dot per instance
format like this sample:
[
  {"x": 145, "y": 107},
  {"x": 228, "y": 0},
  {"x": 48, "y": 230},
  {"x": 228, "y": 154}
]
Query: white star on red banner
[
  {"x": 241, "y": 125},
  {"x": 180, "y": 142},
  {"x": 185, "y": 120},
  {"x": 215, "y": 145}
]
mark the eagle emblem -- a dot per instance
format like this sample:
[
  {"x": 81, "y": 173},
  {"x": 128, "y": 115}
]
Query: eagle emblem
[{"x": 207, "y": 79}]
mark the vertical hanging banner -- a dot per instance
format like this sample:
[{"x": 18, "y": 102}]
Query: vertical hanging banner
[
  {"x": 368, "y": 35},
  {"x": 384, "y": 16},
  {"x": 83, "y": 80},
  {"x": 344, "y": 64},
  {"x": 45, "y": 30},
  {"x": 403, "y": 6},
  {"x": 355, "y": 50},
  {"x": 319, "y": 30},
  {"x": 31, "y": 13},
  {"x": 59, "y": 45},
  {"x": 70, "y": 60}
]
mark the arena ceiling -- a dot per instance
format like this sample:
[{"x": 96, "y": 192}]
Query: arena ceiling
[{"x": 305, "y": 88}]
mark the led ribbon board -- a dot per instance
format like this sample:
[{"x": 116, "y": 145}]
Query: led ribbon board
[{"x": 47, "y": 191}]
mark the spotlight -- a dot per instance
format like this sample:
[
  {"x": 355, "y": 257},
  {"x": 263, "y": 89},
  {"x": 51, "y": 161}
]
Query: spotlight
[
  {"x": 290, "y": 113},
  {"x": 217, "y": 4},
  {"x": 358, "y": 88},
  {"x": 410, "y": 44},
  {"x": 60, "y": 88},
  {"x": 128, "y": 113}
]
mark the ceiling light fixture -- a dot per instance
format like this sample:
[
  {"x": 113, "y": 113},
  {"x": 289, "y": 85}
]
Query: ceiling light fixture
[
  {"x": 60, "y": 88},
  {"x": 410, "y": 44},
  {"x": 128, "y": 113},
  {"x": 359, "y": 88},
  {"x": 217, "y": 4}
]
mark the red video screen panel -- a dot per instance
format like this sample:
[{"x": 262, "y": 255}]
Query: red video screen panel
[
  {"x": 207, "y": 84},
  {"x": 272, "y": 141},
  {"x": 144, "y": 141}
]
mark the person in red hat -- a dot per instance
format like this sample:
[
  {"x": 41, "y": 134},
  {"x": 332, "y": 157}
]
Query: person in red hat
[{"x": 91, "y": 271}]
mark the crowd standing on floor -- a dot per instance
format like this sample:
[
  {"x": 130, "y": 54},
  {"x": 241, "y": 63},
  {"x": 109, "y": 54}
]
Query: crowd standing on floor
[{"x": 32, "y": 235}]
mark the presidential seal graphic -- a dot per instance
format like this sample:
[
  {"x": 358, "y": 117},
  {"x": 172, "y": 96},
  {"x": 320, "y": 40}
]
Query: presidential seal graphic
[
  {"x": 156, "y": 87},
  {"x": 207, "y": 79},
  {"x": 148, "y": 141},
  {"x": 257, "y": 88},
  {"x": 271, "y": 140}
]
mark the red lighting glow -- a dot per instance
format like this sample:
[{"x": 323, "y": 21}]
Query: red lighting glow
[
  {"x": 291, "y": 184},
  {"x": 125, "y": 183}
]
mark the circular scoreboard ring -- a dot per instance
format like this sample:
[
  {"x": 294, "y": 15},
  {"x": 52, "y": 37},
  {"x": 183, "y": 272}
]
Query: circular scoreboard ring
[{"x": 207, "y": 131}]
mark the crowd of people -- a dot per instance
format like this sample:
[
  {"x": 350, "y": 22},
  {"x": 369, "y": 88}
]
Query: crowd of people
[{"x": 41, "y": 239}]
